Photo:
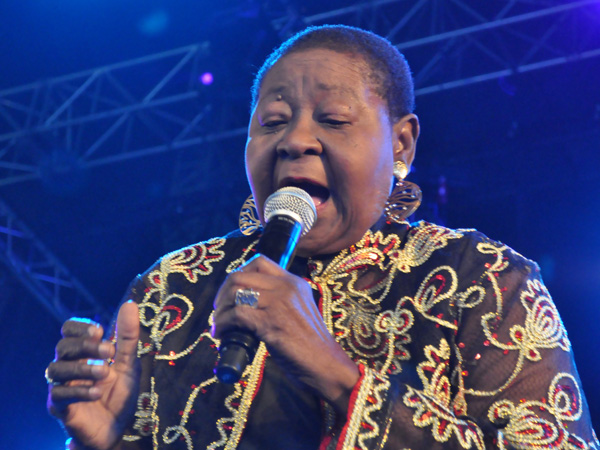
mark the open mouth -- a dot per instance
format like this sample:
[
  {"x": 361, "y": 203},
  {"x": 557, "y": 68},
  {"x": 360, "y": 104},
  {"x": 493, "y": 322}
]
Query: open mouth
[{"x": 318, "y": 193}]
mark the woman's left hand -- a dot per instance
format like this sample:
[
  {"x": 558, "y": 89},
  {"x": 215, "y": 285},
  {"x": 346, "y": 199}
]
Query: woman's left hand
[{"x": 288, "y": 321}]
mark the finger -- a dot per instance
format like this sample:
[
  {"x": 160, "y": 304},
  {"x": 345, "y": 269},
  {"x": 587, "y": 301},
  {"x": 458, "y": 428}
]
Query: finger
[
  {"x": 91, "y": 369},
  {"x": 61, "y": 396},
  {"x": 262, "y": 264},
  {"x": 225, "y": 298},
  {"x": 127, "y": 334},
  {"x": 254, "y": 279},
  {"x": 235, "y": 319},
  {"x": 273, "y": 279},
  {"x": 78, "y": 327},
  {"x": 75, "y": 348}
]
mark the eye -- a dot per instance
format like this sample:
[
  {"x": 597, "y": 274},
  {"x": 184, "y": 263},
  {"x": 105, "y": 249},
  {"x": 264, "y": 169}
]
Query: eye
[
  {"x": 333, "y": 119},
  {"x": 334, "y": 123},
  {"x": 273, "y": 125}
]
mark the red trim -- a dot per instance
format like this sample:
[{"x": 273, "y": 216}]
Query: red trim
[
  {"x": 260, "y": 377},
  {"x": 258, "y": 383},
  {"x": 351, "y": 405},
  {"x": 325, "y": 442}
]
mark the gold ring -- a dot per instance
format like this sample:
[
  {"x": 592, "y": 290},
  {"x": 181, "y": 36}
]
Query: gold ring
[{"x": 247, "y": 297}]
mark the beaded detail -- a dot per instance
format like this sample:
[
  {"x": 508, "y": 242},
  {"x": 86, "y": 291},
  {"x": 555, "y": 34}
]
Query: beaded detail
[{"x": 468, "y": 313}]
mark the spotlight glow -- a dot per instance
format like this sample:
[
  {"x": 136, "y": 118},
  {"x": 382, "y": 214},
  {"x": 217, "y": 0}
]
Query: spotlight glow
[
  {"x": 206, "y": 78},
  {"x": 154, "y": 23}
]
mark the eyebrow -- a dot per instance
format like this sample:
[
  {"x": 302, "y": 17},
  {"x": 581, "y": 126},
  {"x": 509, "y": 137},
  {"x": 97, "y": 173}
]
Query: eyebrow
[
  {"x": 334, "y": 87},
  {"x": 279, "y": 89}
]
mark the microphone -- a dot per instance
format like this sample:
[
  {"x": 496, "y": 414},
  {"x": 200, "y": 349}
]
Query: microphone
[{"x": 289, "y": 214}]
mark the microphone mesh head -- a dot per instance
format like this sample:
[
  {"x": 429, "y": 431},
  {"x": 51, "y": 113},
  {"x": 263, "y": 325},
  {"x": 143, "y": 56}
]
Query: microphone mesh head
[{"x": 292, "y": 202}]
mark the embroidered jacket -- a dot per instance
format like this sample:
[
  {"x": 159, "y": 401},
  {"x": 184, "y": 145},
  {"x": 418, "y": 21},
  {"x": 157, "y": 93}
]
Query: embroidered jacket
[{"x": 458, "y": 342}]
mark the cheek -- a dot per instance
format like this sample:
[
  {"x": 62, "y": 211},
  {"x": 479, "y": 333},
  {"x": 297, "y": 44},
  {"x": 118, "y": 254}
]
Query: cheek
[
  {"x": 259, "y": 172},
  {"x": 255, "y": 159},
  {"x": 371, "y": 186},
  {"x": 375, "y": 174}
]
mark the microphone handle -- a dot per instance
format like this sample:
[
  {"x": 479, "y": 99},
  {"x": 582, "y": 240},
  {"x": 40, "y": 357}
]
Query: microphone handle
[
  {"x": 279, "y": 240},
  {"x": 238, "y": 346}
]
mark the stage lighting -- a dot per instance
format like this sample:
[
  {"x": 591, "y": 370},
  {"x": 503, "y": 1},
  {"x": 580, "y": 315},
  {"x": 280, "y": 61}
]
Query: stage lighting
[
  {"x": 206, "y": 78},
  {"x": 154, "y": 23}
]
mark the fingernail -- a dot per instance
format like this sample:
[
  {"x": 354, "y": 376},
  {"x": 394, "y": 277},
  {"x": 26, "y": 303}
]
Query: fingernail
[
  {"x": 97, "y": 366},
  {"x": 95, "y": 392},
  {"x": 93, "y": 330},
  {"x": 95, "y": 362}
]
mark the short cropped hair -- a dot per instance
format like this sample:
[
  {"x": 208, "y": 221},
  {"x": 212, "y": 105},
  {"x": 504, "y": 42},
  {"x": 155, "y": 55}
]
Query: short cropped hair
[{"x": 390, "y": 73}]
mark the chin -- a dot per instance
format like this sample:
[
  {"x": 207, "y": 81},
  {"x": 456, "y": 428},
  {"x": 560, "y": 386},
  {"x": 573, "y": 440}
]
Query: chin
[
  {"x": 313, "y": 247},
  {"x": 307, "y": 250}
]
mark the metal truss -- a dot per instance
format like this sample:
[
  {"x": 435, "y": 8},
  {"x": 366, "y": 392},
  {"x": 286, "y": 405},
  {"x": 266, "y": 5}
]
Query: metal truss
[
  {"x": 454, "y": 43},
  {"x": 101, "y": 116},
  {"x": 155, "y": 104},
  {"x": 49, "y": 281}
]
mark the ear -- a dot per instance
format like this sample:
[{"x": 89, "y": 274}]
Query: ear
[{"x": 406, "y": 132}]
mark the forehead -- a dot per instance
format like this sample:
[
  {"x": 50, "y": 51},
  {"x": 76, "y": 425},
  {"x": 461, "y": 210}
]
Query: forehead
[{"x": 324, "y": 69}]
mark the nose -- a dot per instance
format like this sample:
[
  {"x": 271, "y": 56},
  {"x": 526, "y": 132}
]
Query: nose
[{"x": 299, "y": 139}]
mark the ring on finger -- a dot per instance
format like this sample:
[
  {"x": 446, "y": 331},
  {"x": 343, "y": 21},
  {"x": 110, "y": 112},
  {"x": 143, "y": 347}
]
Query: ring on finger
[
  {"x": 247, "y": 297},
  {"x": 49, "y": 379}
]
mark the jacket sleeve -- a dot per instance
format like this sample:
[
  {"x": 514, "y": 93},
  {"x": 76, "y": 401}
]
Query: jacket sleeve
[
  {"x": 139, "y": 434},
  {"x": 505, "y": 378}
]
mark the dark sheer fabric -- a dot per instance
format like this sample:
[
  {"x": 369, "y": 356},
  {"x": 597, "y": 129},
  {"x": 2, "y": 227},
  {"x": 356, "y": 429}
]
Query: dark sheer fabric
[{"x": 457, "y": 339}]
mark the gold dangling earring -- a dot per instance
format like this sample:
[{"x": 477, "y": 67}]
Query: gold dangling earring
[
  {"x": 405, "y": 197},
  {"x": 248, "y": 221}
]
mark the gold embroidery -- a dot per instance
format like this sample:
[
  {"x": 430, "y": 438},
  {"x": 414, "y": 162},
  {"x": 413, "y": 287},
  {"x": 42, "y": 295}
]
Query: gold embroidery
[
  {"x": 439, "y": 285},
  {"x": 146, "y": 420},
  {"x": 206, "y": 335},
  {"x": 353, "y": 314},
  {"x": 395, "y": 325},
  {"x": 424, "y": 240},
  {"x": 352, "y": 290},
  {"x": 252, "y": 380},
  {"x": 174, "y": 432},
  {"x": 543, "y": 327},
  {"x": 194, "y": 260},
  {"x": 443, "y": 422},
  {"x": 436, "y": 384},
  {"x": 527, "y": 427},
  {"x": 246, "y": 388},
  {"x": 369, "y": 400},
  {"x": 237, "y": 263},
  {"x": 434, "y": 403},
  {"x": 163, "y": 313}
]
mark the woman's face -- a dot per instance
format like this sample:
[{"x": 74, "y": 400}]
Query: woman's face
[{"x": 319, "y": 125}]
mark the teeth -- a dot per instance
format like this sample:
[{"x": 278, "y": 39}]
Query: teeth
[{"x": 317, "y": 200}]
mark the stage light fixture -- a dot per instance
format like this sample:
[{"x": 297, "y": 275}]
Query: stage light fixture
[{"x": 207, "y": 78}]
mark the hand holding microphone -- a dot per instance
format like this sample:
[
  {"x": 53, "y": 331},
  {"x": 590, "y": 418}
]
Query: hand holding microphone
[{"x": 289, "y": 214}]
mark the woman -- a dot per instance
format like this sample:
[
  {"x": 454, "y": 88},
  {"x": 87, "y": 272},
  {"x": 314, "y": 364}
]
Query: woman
[{"x": 380, "y": 335}]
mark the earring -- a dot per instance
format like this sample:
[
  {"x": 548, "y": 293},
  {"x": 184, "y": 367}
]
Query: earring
[
  {"x": 248, "y": 221},
  {"x": 405, "y": 197}
]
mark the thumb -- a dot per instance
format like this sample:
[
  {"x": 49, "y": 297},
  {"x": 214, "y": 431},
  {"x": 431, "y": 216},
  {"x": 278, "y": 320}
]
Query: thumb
[{"x": 127, "y": 333}]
